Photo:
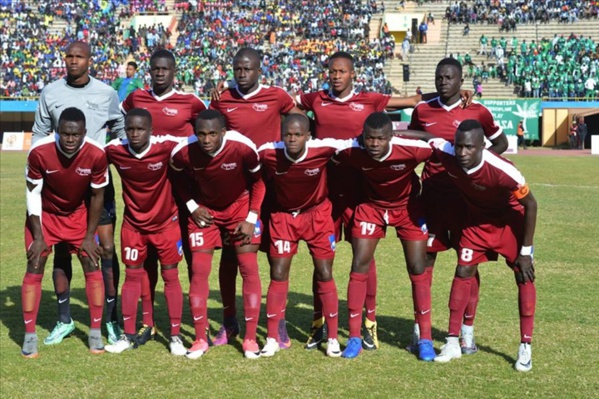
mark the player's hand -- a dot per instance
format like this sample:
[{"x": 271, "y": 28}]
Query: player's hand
[
  {"x": 244, "y": 231},
  {"x": 467, "y": 96},
  {"x": 202, "y": 218},
  {"x": 216, "y": 92},
  {"x": 90, "y": 248},
  {"x": 527, "y": 268},
  {"x": 35, "y": 251}
]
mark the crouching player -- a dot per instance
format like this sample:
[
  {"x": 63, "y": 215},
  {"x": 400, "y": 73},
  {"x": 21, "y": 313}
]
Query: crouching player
[
  {"x": 501, "y": 219},
  {"x": 62, "y": 170},
  {"x": 224, "y": 199},
  {"x": 392, "y": 192},
  {"x": 150, "y": 218},
  {"x": 302, "y": 211}
]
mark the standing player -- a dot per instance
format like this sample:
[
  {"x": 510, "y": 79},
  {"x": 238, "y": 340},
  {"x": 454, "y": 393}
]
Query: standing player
[
  {"x": 225, "y": 199},
  {"x": 340, "y": 114},
  {"x": 100, "y": 104},
  {"x": 392, "y": 190},
  {"x": 501, "y": 219},
  {"x": 62, "y": 170},
  {"x": 255, "y": 111},
  {"x": 444, "y": 206},
  {"x": 173, "y": 113},
  {"x": 301, "y": 211},
  {"x": 150, "y": 218}
]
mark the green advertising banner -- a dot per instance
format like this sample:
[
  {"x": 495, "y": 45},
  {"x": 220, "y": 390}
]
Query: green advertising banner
[{"x": 508, "y": 113}]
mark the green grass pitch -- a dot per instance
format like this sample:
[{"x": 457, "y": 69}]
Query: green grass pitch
[{"x": 565, "y": 348}]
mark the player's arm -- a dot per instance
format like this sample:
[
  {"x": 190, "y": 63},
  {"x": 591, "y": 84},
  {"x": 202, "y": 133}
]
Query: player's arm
[
  {"x": 116, "y": 119},
  {"x": 493, "y": 131},
  {"x": 245, "y": 229},
  {"x": 34, "y": 214},
  {"x": 42, "y": 124},
  {"x": 116, "y": 84},
  {"x": 396, "y": 103},
  {"x": 96, "y": 202},
  {"x": 499, "y": 144},
  {"x": 525, "y": 258}
]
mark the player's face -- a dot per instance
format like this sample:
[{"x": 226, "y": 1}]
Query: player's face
[
  {"x": 70, "y": 136},
  {"x": 295, "y": 137},
  {"x": 130, "y": 71},
  {"x": 210, "y": 135},
  {"x": 77, "y": 60},
  {"x": 448, "y": 82},
  {"x": 138, "y": 130},
  {"x": 376, "y": 141},
  {"x": 246, "y": 71},
  {"x": 162, "y": 72},
  {"x": 469, "y": 148},
  {"x": 341, "y": 76}
]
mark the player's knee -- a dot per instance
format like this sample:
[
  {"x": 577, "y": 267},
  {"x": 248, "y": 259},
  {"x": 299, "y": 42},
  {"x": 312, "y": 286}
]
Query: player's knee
[
  {"x": 88, "y": 265},
  {"x": 360, "y": 265},
  {"x": 107, "y": 250},
  {"x": 35, "y": 270},
  {"x": 465, "y": 271},
  {"x": 324, "y": 274}
]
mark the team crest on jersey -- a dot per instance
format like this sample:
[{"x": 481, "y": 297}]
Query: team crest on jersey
[
  {"x": 83, "y": 171},
  {"x": 356, "y": 107},
  {"x": 399, "y": 166},
  {"x": 93, "y": 106},
  {"x": 229, "y": 166},
  {"x": 478, "y": 187},
  {"x": 170, "y": 111},
  {"x": 260, "y": 107},
  {"x": 333, "y": 242},
  {"x": 456, "y": 123},
  {"x": 155, "y": 166},
  {"x": 312, "y": 172}
]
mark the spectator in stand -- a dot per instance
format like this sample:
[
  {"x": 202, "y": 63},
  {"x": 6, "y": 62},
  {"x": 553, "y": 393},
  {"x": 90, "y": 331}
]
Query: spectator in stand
[{"x": 125, "y": 86}]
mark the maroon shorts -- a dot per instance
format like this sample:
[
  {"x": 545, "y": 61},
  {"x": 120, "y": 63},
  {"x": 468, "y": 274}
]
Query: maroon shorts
[
  {"x": 372, "y": 222},
  {"x": 482, "y": 242},
  {"x": 445, "y": 212},
  {"x": 168, "y": 244},
  {"x": 225, "y": 223},
  {"x": 314, "y": 226},
  {"x": 69, "y": 228}
]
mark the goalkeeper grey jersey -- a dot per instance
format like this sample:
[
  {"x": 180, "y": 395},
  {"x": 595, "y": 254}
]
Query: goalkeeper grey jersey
[{"x": 98, "y": 101}]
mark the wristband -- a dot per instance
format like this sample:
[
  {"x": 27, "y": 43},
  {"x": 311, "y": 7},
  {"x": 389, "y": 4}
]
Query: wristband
[
  {"x": 526, "y": 250},
  {"x": 252, "y": 217},
  {"x": 192, "y": 206}
]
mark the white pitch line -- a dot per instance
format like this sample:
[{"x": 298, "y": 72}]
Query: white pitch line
[{"x": 564, "y": 185}]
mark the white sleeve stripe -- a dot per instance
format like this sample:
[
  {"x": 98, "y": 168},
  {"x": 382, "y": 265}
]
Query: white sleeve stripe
[
  {"x": 236, "y": 136},
  {"x": 504, "y": 166},
  {"x": 499, "y": 133},
  {"x": 34, "y": 181},
  {"x": 99, "y": 185},
  {"x": 408, "y": 142},
  {"x": 257, "y": 168}
]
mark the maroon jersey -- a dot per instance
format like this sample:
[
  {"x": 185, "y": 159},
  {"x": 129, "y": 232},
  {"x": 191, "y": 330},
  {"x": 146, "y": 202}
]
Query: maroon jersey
[
  {"x": 149, "y": 203},
  {"x": 341, "y": 118},
  {"x": 489, "y": 188},
  {"x": 256, "y": 115},
  {"x": 442, "y": 120},
  {"x": 298, "y": 184},
  {"x": 66, "y": 178},
  {"x": 222, "y": 177},
  {"x": 173, "y": 113},
  {"x": 389, "y": 181}
]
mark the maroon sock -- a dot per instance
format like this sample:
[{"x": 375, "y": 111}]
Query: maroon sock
[
  {"x": 174, "y": 298},
  {"x": 94, "y": 289},
  {"x": 527, "y": 299},
  {"x": 327, "y": 291},
  {"x": 470, "y": 312},
  {"x": 147, "y": 305},
  {"x": 31, "y": 295},
  {"x": 421, "y": 295},
  {"x": 227, "y": 277},
  {"x": 198, "y": 292},
  {"x": 458, "y": 300},
  {"x": 252, "y": 292},
  {"x": 370, "y": 302},
  {"x": 130, "y": 294},
  {"x": 317, "y": 303},
  {"x": 356, "y": 293},
  {"x": 428, "y": 272},
  {"x": 276, "y": 301}
]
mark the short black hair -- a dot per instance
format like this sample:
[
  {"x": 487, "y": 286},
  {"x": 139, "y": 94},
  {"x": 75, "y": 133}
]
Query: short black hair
[
  {"x": 211, "y": 114},
  {"x": 250, "y": 53},
  {"x": 72, "y": 114},
  {"x": 144, "y": 113},
  {"x": 302, "y": 119},
  {"x": 469, "y": 124},
  {"x": 163, "y": 53},
  {"x": 451, "y": 62},
  {"x": 377, "y": 120},
  {"x": 133, "y": 64},
  {"x": 342, "y": 55}
]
